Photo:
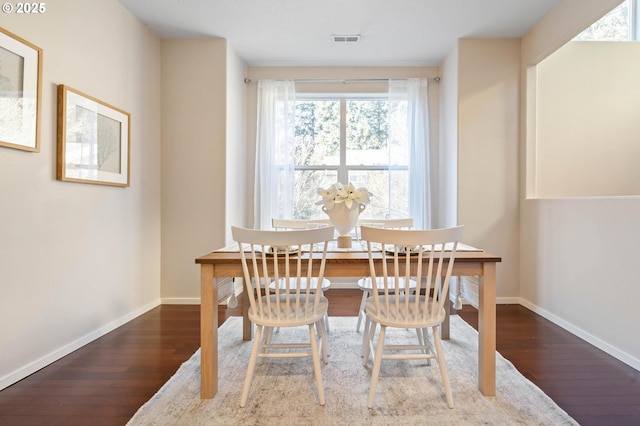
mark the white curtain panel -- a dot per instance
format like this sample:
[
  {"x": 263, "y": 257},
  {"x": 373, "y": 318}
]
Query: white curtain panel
[
  {"x": 274, "y": 174},
  {"x": 415, "y": 126}
]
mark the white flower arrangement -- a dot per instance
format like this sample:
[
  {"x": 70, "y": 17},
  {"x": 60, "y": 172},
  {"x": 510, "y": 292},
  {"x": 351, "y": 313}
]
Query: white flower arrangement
[{"x": 341, "y": 193}]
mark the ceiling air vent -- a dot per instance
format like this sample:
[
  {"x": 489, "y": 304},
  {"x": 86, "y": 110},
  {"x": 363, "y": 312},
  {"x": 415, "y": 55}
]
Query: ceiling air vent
[{"x": 348, "y": 38}]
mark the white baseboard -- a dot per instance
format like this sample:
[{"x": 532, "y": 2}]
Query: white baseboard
[
  {"x": 32, "y": 367},
  {"x": 508, "y": 301},
  {"x": 584, "y": 335},
  {"x": 499, "y": 301},
  {"x": 181, "y": 301}
]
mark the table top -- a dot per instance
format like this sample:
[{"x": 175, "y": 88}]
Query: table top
[{"x": 357, "y": 253}]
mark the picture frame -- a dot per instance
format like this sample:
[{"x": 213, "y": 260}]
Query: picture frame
[
  {"x": 20, "y": 92},
  {"x": 93, "y": 140}
]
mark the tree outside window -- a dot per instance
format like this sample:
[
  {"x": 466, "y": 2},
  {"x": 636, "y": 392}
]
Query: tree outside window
[{"x": 347, "y": 140}]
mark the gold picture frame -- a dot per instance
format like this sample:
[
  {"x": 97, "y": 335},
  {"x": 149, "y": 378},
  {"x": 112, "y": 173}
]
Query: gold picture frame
[
  {"x": 93, "y": 140},
  {"x": 20, "y": 92}
]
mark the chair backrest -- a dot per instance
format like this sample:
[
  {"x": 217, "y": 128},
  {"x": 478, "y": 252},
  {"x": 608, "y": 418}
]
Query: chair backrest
[
  {"x": 396, "y": 223},
  {"x": 426, "y": 256},
  {"x": 298, "y": 257},
  {"x": 288, "y": 224}
]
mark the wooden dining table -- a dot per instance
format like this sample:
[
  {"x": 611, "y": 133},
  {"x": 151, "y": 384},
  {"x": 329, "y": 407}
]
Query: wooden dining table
[{"x": 353, "y": 262}]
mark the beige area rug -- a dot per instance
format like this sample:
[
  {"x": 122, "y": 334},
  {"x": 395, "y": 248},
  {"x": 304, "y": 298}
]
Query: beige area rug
[{"x": 408, "y": 392}]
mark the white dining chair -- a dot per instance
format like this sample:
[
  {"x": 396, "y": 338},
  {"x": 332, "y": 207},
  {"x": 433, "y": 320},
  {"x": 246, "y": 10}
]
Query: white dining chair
[
  {"x": 288, "y": 224},
  {"x": 296, "y": 257},
  {"x": 293, "y": 224},
  {"x": 365, "y": 284},
  {"x": 427, "y": 257}
]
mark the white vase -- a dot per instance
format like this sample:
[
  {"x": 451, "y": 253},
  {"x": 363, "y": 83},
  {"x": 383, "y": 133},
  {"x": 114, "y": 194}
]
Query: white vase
[{"x": 344, "y": 219}]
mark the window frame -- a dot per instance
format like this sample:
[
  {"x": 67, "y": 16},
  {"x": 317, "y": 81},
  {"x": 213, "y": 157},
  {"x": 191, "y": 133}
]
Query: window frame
[
  {"x": 343, "y": 169},
  {"x": 633, "y": 22}
]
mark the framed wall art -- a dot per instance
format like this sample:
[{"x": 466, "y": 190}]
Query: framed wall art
[
  {"x": 20, "y": 92},
  {"x": 93, "y": 140}
]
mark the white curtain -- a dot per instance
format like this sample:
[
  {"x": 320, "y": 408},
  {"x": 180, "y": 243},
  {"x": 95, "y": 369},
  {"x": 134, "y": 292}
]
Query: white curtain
[
  {"x": 273, "y": 196},
  {"x": 415, "y": 126}
]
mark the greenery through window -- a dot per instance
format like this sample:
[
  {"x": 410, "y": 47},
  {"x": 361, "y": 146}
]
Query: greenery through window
[{"x": 346, "y": 139}]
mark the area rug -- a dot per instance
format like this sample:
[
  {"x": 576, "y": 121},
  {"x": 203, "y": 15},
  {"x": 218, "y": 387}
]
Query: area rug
[{"x": 283, "y": 391}]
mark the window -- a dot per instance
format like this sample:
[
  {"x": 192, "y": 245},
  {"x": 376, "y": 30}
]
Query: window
[
  {"x": 377, "y": 141},
  {"x": 621, "y": 24},
  {"x": 346, "y": 139}
]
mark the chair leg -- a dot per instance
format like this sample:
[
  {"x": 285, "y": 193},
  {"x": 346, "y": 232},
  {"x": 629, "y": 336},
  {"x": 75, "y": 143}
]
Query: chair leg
[
  {"x": 252, "y": 366},
  {"x": 365, "y": 340},
  {"x": 420, "y": 338},
  {"x": 377, "y": 361},
  {"x": 427, "y": 343},
  {"x": 365, "y": 337},
  {"x": 316, "y": 363},
  {"x": 267, "y": 335},
  {"x": 442, "y": 365},
  {"x": 324, "y": 345},
  {"x": 361, "y": 314},
  {"x": 423, "y": 340},
  {"x": 326, "y": 322}
]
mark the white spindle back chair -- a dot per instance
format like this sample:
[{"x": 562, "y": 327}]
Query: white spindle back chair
[
  {"x": 296, "y": 257},
  {"x": 293, "y": 224},
  {"x": 365, "y": 284},
  {"x": 427, "y": 257}
]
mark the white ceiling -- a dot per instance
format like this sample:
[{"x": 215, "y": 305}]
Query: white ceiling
[{"x": 298, "y": 32}]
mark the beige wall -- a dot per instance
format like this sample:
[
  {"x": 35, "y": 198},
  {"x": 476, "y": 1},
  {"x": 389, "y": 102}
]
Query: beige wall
[
  {"x": 578, "y": 256},
  {"x": 588, "y": 116},
  {"x": 77, "y": 260},
  {"x": 488, "y": 84},
  {"x": 236, "y": 164},
  {"x": 194, "y": 152}
]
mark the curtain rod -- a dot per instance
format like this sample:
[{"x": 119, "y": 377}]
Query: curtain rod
[{"x": 344, "y": 81}]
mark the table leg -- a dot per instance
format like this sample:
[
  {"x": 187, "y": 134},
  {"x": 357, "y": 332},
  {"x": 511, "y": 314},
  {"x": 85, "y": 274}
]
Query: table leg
[
  {"x": 487, "y": 330},
  {"x": 208, "y": 333},
  {"x": 247, "y": 329},
  {"x": 445, "y": 327}
]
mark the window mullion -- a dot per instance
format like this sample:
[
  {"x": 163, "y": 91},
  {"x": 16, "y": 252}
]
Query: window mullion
[
  {"x": 634, "y": 20},
  {"x": 343, "y": 174}
]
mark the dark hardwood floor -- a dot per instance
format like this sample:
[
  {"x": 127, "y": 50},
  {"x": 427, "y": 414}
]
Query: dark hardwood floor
[
  {"x": 592, "y": 386},
  {"x": 106, "y": 381}
]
